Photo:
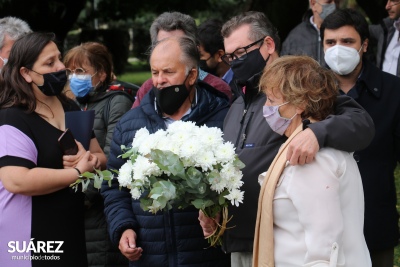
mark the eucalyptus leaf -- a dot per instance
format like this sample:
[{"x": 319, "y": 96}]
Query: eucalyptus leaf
[
  {"x": 238, "y": 163},
  {"x": 202, "y": 204},
  {"x": 89, "y": 175},
  {"x": 168, "y": 161},
  {"x": 194, "y": 176},
  {"x": 85, "y": 184},
  {"x": 145, "y": 203},
  {"x": 221, "y": 198},
  {"x": 156, "y": 192}
]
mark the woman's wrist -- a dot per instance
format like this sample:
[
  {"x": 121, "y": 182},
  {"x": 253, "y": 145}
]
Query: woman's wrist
[{"x": 79, "y": 172}]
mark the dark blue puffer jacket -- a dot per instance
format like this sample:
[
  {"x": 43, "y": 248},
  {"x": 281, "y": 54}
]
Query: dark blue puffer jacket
[{"x": 172, "y": 238}]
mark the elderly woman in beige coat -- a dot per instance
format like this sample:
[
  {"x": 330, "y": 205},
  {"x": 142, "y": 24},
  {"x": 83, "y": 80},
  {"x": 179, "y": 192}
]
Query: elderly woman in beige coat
[{"x": 310, "y": 215}]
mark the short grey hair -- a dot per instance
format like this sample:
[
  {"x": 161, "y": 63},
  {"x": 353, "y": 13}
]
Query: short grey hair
[
  {"x": 170, "y": 21},
  {"x": 13, "y": 27},
  {"x": 260, "y": 27},
  {"x": 190, "y": 53}
]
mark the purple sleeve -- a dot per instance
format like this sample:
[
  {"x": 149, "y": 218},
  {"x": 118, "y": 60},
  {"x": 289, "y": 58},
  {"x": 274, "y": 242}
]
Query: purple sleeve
[{"x": 14, "y": 146}]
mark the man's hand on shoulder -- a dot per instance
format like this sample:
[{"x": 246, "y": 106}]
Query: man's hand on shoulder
[{"x": 303, "y": 148}]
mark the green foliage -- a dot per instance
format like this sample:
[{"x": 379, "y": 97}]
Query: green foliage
[
  {"x": 137, "y": 78},
  {"x": 98, "y": 177}
]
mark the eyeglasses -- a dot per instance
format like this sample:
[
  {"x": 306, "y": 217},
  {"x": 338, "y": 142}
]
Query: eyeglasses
[
  {"x": 77, "y": 71},
  {"x": 240, "y": 53}
]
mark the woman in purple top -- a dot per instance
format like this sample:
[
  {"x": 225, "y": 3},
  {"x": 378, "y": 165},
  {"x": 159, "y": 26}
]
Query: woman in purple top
[{"x": 41, "y": 218}]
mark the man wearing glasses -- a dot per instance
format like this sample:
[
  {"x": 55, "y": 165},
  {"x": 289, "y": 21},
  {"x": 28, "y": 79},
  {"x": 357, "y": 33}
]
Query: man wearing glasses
[
  {"x": 251, "y": 42},
  {"x": 387, "y": 36}
]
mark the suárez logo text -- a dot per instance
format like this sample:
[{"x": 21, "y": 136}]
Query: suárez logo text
[{"x": 35, "y": 246}]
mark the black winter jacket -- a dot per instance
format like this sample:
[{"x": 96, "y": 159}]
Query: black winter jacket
[
  {"x": 172, "y": 238},
  {"x": 378, "y": 92}
]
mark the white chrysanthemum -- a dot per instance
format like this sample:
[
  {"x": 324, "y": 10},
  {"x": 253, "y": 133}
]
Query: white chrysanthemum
[
  {"x": 125, "y": 174},
  {"x": 165, "y": 144},
  {"x": 147, "y": 144},
  {"x": 205, "y": 159},
  {"x": 235, "y": 196},
  {"x": 232, "y": 176},
  {"x": 218, "y": 185},
  {"x": 209, "y": 137},
  {"x": 155, "y": 138},
  {"x": 140, "y": 135},
  {"x": 135, "y": 193},
  {"x": 182, "y": 126},
  {"x": 235, "y": 181},
  {"x": 175, "y": 149},
  {"x": 180, "y": 138},
  {"x": 143, "y": 168},
  {"x": 190, "y": 149},
  {"x": 225, "y": 152}
]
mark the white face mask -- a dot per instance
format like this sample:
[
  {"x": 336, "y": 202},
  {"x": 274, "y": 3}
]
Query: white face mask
[{"x": 342, "y": 59}]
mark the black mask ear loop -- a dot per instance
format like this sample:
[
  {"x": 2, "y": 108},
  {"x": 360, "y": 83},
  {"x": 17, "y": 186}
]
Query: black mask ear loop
[{"x": 190, "y": 100}]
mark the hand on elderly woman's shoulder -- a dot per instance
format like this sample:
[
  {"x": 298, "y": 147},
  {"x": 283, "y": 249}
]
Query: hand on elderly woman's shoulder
[{"x": 303, "y": 148}]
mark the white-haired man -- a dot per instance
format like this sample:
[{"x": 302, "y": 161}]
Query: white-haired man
[{"x": 11, "y": 28}]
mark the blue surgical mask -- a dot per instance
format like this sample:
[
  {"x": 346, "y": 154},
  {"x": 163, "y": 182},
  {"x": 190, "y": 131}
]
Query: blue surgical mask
[
  {"x": 81, "y": 85},
  {"x": 277, "y": 123}
]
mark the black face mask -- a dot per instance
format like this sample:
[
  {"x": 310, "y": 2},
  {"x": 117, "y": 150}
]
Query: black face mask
[
  {"x": 170, "y": 99},
  {"x": 203, "y": 65},
  {"x": 53, "y": 82},
  {"x": 245, "y": 69}
]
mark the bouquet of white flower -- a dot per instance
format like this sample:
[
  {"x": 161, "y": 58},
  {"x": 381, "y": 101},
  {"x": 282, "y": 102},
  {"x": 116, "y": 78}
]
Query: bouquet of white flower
[{"x": 182, "y": 166}]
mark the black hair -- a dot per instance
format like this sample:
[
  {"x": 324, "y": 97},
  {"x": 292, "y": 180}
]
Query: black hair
[
  {"x": 15, "y": 91},
  {"x": 210, "y": 37},
  {"x": 346, "y": 17}
]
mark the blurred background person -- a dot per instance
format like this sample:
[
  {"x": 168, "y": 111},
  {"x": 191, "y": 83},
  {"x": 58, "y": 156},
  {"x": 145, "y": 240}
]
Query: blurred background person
[
  {"x": 177, "y": 24},
  {"x": 292, "y": 228},
  {"x": 37, "y": 204},
  {"x": 305, "y": 38},
  {"x": 211, "y": 49},
  {"x": 90, "y": 71},
  {"x": 11, "y": 29},
  {"x": 386, "y": 34}
]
